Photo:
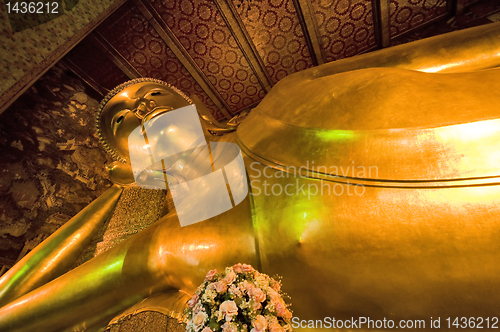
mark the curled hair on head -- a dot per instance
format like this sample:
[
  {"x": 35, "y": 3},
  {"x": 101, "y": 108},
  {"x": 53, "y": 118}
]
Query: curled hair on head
[{"x": 110, "y": 150}]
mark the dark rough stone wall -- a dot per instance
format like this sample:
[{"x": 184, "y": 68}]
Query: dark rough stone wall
[{"x": 51, "y": 162}]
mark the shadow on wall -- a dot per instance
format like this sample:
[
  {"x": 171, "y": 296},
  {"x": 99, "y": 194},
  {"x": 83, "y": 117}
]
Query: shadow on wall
[{"x": 51, "y": 162}]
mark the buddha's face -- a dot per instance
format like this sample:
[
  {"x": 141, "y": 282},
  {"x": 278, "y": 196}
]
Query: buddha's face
[{"x": 130, "y": 105}]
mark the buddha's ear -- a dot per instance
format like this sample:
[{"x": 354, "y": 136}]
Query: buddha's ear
[
  {"x": 205, "y": 113},
  {"x": 120, "y": 173}
]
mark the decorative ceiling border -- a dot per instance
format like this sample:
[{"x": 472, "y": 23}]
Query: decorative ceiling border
[
  {"x": 312, "y": 30},
  {"x": 244, "y": 41},
  {"x": 381, "y": 21},
  {"x": 114, "y": 55}
]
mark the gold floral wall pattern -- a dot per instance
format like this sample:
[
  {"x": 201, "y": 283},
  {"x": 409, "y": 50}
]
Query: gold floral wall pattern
[
  {"x": 345, "y": 27},
  {"x": 202, "y": 31},
  {"x": 276, "y": 31},
  {"x": 408, "y": 14}
]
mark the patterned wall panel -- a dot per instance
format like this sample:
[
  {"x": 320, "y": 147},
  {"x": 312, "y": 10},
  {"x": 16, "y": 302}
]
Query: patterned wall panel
[
  {"x": 26, "y": 54},
  {"x": 85, "y": 55},
  {"x": 202, "y": 31},
  {"x": 137, "y": 41},
  {"x": 345, "y": 27},
  {"x": 408, "y": 14},
  {"x": 275, "y": 29}
]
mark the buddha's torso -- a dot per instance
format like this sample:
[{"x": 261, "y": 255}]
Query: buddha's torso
[{"x": 407, "y": 228}]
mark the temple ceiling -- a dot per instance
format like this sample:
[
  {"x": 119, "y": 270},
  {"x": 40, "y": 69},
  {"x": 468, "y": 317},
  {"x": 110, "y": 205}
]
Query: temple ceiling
[{"x": 230, "y": 53}]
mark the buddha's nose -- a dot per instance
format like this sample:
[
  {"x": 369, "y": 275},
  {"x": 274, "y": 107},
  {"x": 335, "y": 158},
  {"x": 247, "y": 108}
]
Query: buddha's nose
[
  {"x": 154, "y": 113},
  {"x": 143, "y": 109}
]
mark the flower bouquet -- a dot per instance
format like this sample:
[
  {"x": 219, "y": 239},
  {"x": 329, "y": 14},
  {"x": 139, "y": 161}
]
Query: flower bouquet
[{"x": 240, "y": 299}]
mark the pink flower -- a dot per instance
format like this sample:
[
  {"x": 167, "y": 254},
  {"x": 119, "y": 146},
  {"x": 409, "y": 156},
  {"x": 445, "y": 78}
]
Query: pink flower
[
  {"x": 210, "y": 275},
  {"x": 256, "y": 305},
  {"x": 230, "y": 277},
  {"x": 191, "y": 303},
  {"x": 198, "y": 307},
  {"x": 243, "y": 268},
  {"x": 220, "y": 286},
  {"x": 259, "y": 324},
  {"x": 275, "y": 327},
  {"x": 276, "y": 286},
  {"x": 199, "y": 319},
  {"x": 281, "y": 309},
  {"x": 237, "y": 268},
  {"x": 207, "y": 329},
  {"x": 257, "y": 294},
  {"x": 247, "y": 268},
  {"x": 273, "y": 294},
  {"x": 229, "y": 309}
]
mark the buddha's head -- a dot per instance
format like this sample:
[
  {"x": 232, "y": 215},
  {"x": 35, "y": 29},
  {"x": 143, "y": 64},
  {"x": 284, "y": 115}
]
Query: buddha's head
[{"x": 128, "y": 106}]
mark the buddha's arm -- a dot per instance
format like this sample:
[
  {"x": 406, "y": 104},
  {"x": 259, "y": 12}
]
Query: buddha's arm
[
  {"x": 163, "y": 257},
  {"x": 58, "y": 253}
]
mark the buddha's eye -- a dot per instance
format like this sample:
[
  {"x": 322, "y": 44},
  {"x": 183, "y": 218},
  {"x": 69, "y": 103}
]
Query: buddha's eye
[
  {"x": 119, "y": 119},
  {"x": 157, "y": 93}
]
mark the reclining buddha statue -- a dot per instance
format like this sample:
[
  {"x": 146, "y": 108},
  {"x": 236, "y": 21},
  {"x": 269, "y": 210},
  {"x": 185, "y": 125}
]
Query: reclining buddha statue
[{"x": 374, "y": 191}]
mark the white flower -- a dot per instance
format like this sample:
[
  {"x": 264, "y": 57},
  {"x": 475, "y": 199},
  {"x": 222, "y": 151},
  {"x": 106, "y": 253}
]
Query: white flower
[
  {"x": 229, "y": 327},
  {"x": 209, "y": 296},
  {"x": 199, "y": 319},
  {"x": 262, "y": 281},
  {"x": 233, "y": 289},
  {"x": 220, "y": 315},
  {"x": 229, "y": 309}
]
